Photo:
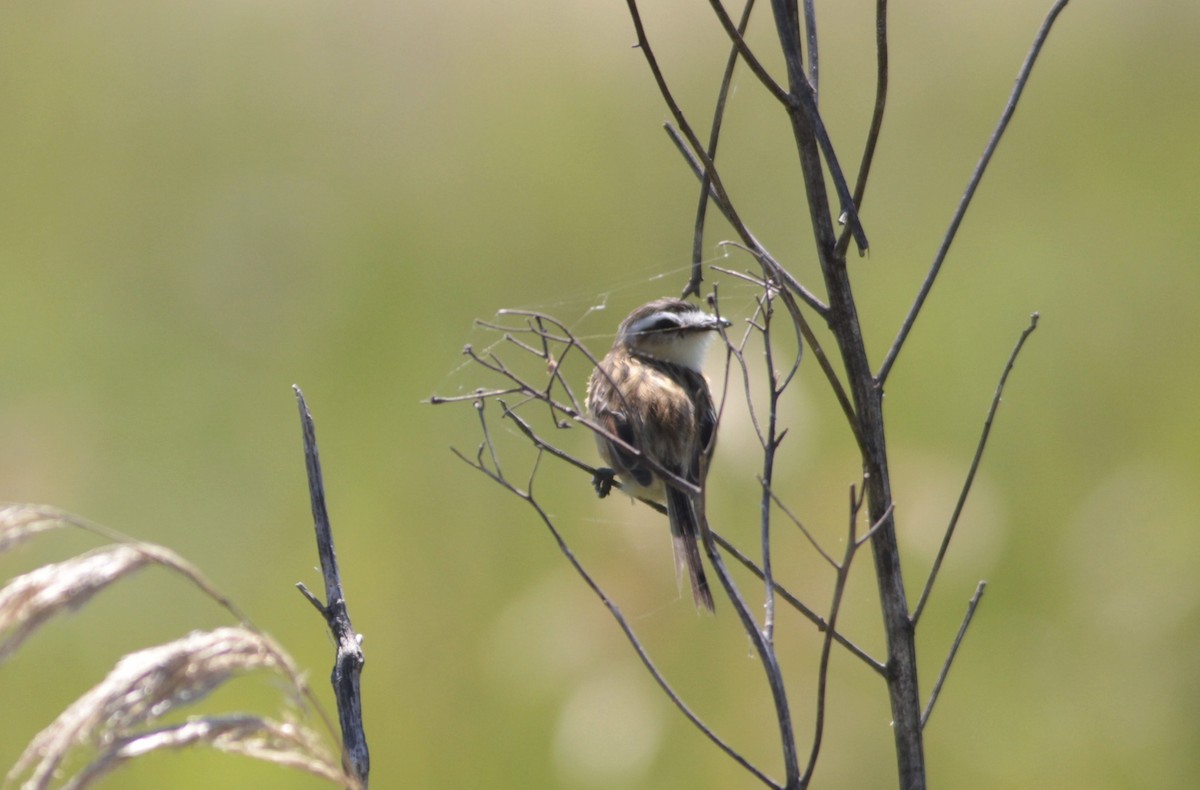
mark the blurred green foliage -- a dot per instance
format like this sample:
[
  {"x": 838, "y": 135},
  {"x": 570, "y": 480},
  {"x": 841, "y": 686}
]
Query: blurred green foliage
[{"x": 204, "y": 203}]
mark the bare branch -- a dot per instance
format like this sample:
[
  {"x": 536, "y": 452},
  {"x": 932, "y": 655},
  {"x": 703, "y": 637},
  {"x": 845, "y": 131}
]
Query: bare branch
[
  {"x": 839, "y": 589},
  {"x": 614, "y": 611},
  {"x": 799, "y": 524},
  {"x": 770, "y": 663},
  {"x": 771, "y": 267},
  {"x": 965, "y": 202},
  {"x": 714, "y": 136},
  {"x": 810, "y": 27},
  {"x": 966, "y": 488},
  {"x": 958, "y": 639},
  {"x": 770, "y": 447},
  {"x": 799, "y": 100},
  {"x": 867, "y": 400},
  {"x": 702, "y": 164},
  {"x": 816, "y": 619},
  {"x": 349, "y": 660},
  {"x": 735, "y": 33},
  {"x": 881, "y": 86}
]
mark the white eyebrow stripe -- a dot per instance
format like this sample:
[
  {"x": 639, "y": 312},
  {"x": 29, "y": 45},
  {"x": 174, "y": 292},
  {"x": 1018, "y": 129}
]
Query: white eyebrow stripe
[
  {"x": 695, "y": 318},
  {"x": 690, "y": 318}
]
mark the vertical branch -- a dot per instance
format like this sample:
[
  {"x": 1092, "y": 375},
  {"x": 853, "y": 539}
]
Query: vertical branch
[
  {"x": 814, "y": 60},
  {"x": 881, "y": 88},
  {"x": 714, "y": 136},
  {"x": 812, "y": 140},
  {"x": 349, "y": 662},
  {"x": 903, "y": 689},
  {"x": 770, "y": 445},
  {"x": 771, "y": 440}
]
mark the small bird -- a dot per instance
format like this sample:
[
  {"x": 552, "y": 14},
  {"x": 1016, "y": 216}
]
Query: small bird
[{"x": 650, "y": 393}]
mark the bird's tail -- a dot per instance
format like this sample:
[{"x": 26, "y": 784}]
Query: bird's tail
[{"x": 685, "y": 532}]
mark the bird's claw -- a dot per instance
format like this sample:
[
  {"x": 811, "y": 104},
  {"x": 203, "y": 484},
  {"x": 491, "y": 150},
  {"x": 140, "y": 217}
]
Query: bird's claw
[{"x": 602, "y": 481}]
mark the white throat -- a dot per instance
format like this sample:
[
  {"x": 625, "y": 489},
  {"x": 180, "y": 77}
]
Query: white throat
[{"x": 684, "y": 349}]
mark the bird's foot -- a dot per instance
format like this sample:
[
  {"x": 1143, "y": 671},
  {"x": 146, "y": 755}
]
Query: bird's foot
[{"x": 602, "y": 481}]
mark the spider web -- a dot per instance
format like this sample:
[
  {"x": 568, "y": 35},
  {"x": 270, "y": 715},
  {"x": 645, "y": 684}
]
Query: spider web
[{"x": 591, "y": 317}]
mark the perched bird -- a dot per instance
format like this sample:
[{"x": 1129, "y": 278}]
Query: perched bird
[{"x": 649, "y": 393}]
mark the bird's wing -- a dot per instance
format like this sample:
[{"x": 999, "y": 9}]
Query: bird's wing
[
  {"x": 616, "y": 423},
  {"x": 706, "y": 421}
]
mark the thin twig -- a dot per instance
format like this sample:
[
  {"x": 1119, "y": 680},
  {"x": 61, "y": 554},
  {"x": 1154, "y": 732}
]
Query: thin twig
[
  {"x": 877, "y": 666},
  {"x": 966, "y": 487},
  {"x": 752, "y": 62},
  {"x": 881, "y": 87},
  {"x": 527, "y": 497},
  {"x": 806, "y": 335},
  {"x": 542, "y": 445},
  {"x": 810, "y": 28},
  {"x": 800, "y": 101},
  {"x": 958, "y": 639},
  {"x": 739, "y": 355},
  {"x": 870, "y": 533},
  {"x": 839, "y": 589},
  {"x": 769, "y": 662},
  {"x": 714, "y": 136},
  {"x": 681, "y": 121},
  {"x": 770, "y": 447},
  {"x": 438, "y": 400},
  {"x": 965, "y": 202},
  {"x": 771, "y": 267},
  {"x": 689, "y": 145},
  {"x": 799, "y": 525},
  {"x": 761, "y": 639},
  {"x": 826, "y": 366}
]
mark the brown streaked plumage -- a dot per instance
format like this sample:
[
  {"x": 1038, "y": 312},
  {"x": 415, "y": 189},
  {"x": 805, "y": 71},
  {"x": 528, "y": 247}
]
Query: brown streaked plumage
[{"x": 649, "y": 392}]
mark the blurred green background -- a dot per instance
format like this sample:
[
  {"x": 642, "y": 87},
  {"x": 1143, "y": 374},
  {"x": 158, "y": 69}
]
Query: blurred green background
[{"x": 204, "y": 203}]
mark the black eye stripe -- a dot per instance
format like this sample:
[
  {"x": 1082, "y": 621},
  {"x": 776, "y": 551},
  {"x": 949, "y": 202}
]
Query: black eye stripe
[{"x": 663, "y": 324}]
